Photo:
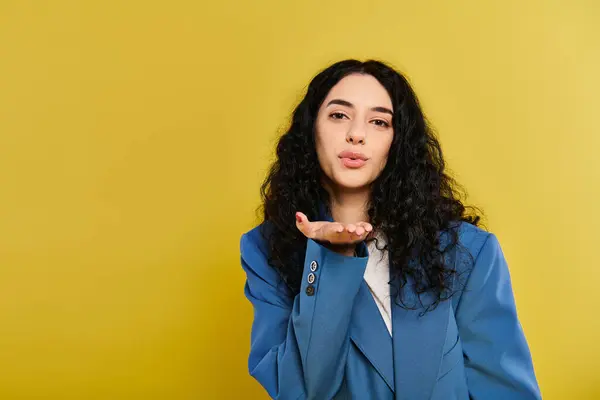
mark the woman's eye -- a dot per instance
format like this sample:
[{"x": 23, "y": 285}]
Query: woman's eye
[
  {"x": 380, "y": 122},
  {"x": 337, "y": 115}
]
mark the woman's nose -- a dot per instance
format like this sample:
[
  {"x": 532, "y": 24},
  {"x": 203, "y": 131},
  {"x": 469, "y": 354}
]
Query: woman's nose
[{"x": 356, "y": 136}]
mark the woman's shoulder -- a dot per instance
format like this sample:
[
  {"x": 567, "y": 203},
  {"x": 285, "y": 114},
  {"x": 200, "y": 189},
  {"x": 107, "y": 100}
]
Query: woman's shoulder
[
  {"x": 254, "y": 253},
  {"x": 470, "y": 236},
  {"x": 477, "y": 254},
  {"x": 255, "y": 238}
]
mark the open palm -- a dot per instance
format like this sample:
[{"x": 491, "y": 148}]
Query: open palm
[{"x": 333, "y": 232}]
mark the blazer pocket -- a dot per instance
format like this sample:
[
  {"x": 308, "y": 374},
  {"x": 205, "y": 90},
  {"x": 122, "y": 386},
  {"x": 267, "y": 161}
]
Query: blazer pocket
[{"x": 451, "y": 358}]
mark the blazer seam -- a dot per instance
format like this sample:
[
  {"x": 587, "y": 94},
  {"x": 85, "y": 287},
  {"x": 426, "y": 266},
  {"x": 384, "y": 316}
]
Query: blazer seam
[
  {"x": 432, "y": 387},
  {"x": 475, "y": 259},
  {"x": 451, "y": 368}
]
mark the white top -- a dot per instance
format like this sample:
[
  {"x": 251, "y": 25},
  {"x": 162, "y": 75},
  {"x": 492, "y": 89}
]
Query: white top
[{"x": 377, "y": 276}]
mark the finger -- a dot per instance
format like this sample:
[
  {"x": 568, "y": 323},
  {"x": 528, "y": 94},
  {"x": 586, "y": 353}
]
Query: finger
[
  {"x": 351, "y": 228},
  {"x": 367, "y": 226},
  {"x": 334, "y": 229},
  {"x": 359, "y": 230}
]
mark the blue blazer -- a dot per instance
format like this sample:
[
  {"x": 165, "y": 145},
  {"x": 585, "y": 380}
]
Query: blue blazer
[{"x": 330, "y": 341}]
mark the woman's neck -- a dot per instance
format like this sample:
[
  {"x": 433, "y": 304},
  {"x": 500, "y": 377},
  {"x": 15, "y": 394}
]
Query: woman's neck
[{"x": 349, "y": 206}]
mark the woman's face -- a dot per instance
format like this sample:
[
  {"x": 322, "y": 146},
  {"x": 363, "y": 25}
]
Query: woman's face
[{"x": 355, "y": 117}]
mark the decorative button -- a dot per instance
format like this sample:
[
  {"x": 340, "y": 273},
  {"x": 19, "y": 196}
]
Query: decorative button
[
  {"x": 313, "y": 266},
  {"x": 311, "y": 278},
  {"x": 310, "y": 290}
]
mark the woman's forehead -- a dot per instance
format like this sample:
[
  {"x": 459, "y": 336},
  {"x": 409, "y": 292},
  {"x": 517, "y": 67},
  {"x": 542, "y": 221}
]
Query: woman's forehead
[{"x": 360, "y": 90}]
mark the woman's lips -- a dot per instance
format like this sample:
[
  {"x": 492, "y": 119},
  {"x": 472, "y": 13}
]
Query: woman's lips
[{"x": 352, "y": 163}]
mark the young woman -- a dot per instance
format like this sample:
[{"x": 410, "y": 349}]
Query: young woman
[{"x": 368, "y": 278}]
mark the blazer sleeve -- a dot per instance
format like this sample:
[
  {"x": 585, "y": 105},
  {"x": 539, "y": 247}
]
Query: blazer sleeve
[
  {"x": 497, "y": 358},
  {"x": 299, "y": 344}
]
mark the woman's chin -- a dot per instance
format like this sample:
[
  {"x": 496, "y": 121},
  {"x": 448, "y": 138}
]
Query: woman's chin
[{"x": 352, "y": 183}]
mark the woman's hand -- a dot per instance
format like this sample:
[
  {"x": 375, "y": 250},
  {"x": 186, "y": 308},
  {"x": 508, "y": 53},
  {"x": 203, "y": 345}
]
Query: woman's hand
[{"x": 341, "y": 238}]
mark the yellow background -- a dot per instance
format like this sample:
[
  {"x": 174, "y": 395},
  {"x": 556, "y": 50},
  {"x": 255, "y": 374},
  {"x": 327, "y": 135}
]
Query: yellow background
[{"x": 134, "y": 136}]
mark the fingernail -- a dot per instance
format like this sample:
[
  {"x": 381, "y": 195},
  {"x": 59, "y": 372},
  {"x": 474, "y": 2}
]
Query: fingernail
[{"x": 298, "y": 218}]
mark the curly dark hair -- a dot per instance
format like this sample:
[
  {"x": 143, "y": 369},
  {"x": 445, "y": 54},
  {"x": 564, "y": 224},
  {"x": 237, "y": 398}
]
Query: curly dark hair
[{"x": 412, "y": 200}]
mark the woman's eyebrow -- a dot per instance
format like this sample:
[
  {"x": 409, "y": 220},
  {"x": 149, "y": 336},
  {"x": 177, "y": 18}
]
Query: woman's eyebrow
[{"x": 348, "y": 104}]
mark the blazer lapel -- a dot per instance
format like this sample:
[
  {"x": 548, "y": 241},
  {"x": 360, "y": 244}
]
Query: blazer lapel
[
  {"x": 370, "y": 335},
  {"x": 418, "y": 345}
]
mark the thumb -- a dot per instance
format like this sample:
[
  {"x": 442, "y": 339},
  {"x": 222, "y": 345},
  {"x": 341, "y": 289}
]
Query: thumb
[{"x": 301, "y": 222}]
